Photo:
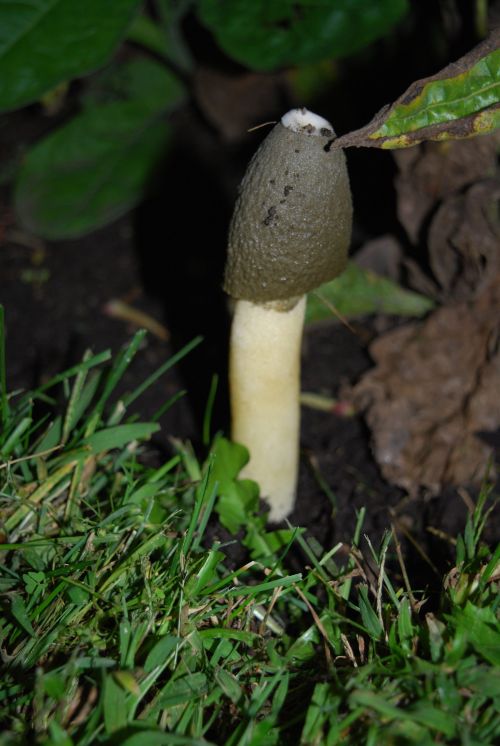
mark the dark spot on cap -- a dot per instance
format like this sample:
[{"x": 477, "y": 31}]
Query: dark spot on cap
[
  {"x": 271, "y": 214},
  {"x": 272, "y": 181},
  {"x": 287, "y": 190},
  {"x": 297, "y": 150},
  {"x": 325, "y": 132}
]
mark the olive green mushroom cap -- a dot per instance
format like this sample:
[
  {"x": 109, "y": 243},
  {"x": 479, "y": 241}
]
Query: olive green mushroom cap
[{"x": 291, "y": 226}]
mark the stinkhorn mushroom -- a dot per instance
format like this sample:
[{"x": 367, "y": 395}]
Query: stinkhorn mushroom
[{"x": 289, "y": 233}]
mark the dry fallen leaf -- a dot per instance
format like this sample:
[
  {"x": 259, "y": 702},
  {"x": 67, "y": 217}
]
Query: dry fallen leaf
[
  {"x": 432, "y": 172},
  {"x": 447, "y": 202},
  {"x": 434, "y": 389},
  {"x": 235, "y": 103}
]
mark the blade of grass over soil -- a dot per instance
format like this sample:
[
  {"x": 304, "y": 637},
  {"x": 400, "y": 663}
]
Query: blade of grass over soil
[{"x": 124, "y": 620}]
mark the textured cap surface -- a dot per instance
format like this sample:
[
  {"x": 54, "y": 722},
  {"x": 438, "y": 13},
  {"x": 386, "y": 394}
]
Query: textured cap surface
[{"x": 291, "y": 225}]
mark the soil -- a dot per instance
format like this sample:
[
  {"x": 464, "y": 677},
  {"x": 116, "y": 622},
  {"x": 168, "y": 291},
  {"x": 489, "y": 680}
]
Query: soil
[{"x": 166, "y": 259}]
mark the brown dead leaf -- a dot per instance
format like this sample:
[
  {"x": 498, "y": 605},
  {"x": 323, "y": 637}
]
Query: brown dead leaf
[
  {"x": 435, "y": 386},
  {"x": 235, "y": 103},
  {"x": 464, "y": 241},
  {"x": 432, "y": 172},
  {"x": 448, "y": 197}
]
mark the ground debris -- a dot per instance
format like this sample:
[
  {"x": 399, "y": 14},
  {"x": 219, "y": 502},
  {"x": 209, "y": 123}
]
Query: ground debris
[
  {"x": 433, "y": 392},
  {"x": 447, "y": 196}
]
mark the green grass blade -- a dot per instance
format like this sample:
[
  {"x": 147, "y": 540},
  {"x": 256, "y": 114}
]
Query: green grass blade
[
  {"x": 119, "y": 367},
  {"x": 127, "y": 401}
]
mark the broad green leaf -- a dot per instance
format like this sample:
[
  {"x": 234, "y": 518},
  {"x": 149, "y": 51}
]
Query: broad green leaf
[
  {"x": 34, "y": 582},
  {"x": 120, "y": 435},
  {"x": 95, "y": 168},
  {"x": 54, "y": 685},
  {"x": 357, "y": 292},
  {"x": 236, "y": 497},
  {"x": 89, "y": 172},
  {"x": 45, "y": 42},
  {"x": 114, "y": 704},
  {"x": 235, "y": 502},
  {"x": 266, "y": 35},
  {"x": 462, "y": 100},
  {"x": 482, "y": 629},
  {"x": 141, "y": 79},
  {"x": 20, "y": 614},
  {"x": 228, "y": 459}
]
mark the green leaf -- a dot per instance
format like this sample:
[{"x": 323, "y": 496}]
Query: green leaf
[
  {"x": 205, "y": 574},
  {"x": 445, "y": 100},
  {"x": 222, "y": 633},
  {"x": 183, "y": 689},
  {"x": 45, "y": 42},
  {"x": 481, "y": 679},
  {"x": 141, "y": 79},
  {"x": 159, "y": 654},
  {"x": 422, "y": 712},
  {"x": 96, "y": 167},
  {"x": 265, "y": 35},
  {"x": 436, "y": 630},
  {"x": 161, "y": 738},
  {"x": 405, "y": 626},
  {"x": 58, "y": 736},
  {"x": 128, "y": 682},
  {"x": 482, "y": 629},
  {"x": 20, "y": 614},
  {"x": 368, "y": 615},
  {"x": 462, "y": 100},
  {"x": 90, "y": 171},
  {"x": 54, "y": 685},
  {"x": 34, "y": 582},
  {"x": 236, "y": 497},
  {"x": 358, "y": 292},
  {"x": 229, "y": 685},
  {"x": 235, "y": 503},
  {"x": 227, "y": 460},
  {"x": 120, "y": 435},
  {"x": 114, "y": 701}
]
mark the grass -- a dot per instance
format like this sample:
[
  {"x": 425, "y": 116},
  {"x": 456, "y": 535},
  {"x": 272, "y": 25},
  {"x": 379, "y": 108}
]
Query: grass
[{"x": 123, "y": 622}]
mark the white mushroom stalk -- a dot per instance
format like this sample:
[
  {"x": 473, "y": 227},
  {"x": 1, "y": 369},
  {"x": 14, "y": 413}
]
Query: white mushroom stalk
[{"x": 290, "y": 232}]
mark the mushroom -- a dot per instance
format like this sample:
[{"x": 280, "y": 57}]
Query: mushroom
[{"x": 289, "y": 233}]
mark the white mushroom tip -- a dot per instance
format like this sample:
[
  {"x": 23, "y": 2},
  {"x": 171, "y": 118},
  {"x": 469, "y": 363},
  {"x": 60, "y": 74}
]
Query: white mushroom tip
[{"x": 306, "y": 122}]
